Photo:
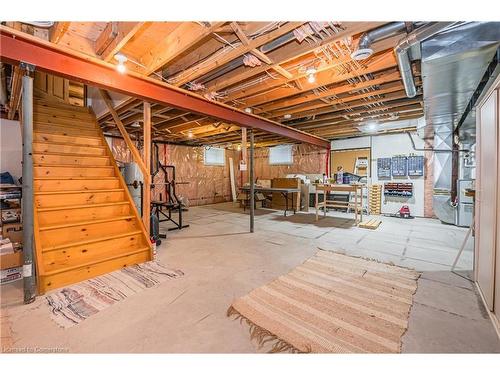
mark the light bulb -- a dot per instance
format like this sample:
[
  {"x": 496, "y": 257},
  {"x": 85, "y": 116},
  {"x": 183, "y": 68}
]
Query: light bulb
[
  {"x": 372, "y": 126},
  {"x": 311, "y": 78},
  {"x": 239, "y": 147},
  {"x": 121, "y": 58},
  {"x": 190, "y": 134},
  {"x": 121, "y": 68}
]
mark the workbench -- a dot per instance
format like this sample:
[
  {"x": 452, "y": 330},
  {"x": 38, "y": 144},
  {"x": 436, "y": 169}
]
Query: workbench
[
  {"x": 282, "y": 191},
  {"x": 357, "y": 205}
]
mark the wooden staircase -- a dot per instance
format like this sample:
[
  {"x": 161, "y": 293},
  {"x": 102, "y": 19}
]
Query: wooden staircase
[{"x": 86, "y": 223}]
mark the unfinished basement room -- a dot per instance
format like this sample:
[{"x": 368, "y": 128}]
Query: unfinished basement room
[{"x": 248, "y": 186}]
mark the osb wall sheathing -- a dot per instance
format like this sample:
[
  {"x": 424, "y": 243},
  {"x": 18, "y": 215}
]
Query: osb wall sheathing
[{"x": 211, "y": 184}]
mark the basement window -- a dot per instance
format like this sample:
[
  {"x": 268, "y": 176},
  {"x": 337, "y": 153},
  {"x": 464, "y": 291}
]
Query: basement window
[
  {"x": 215, "y": 156},
  {"x": 279, "y": 155}
]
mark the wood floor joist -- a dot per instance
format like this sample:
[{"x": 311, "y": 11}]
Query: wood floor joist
[{"x": 18, "y": 47}]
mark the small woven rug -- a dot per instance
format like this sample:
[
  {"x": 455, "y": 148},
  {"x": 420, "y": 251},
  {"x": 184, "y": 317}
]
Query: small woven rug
[
  {"x": 73, "y": 304},
  {"x": 332, "y": 303}
]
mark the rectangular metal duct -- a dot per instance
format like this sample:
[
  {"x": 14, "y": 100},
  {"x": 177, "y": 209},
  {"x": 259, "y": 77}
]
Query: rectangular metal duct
[{"x": 453, "y": 63}]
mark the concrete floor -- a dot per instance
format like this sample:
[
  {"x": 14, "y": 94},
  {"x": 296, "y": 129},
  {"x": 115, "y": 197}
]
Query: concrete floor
[{"x": 222, "y": 261}]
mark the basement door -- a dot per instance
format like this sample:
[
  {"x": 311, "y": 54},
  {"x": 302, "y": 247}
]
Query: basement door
[{"x": 486, "y": 202}]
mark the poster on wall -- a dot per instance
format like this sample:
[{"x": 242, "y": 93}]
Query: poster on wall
[{"x": 384, "y": 168}]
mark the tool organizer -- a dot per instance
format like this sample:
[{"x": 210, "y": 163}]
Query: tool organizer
[{"x": 398, "y": 189}]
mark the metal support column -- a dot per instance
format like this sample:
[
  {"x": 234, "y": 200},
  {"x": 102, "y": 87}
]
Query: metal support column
[
  {"x": 27, "y": 180},
  {"x": 252, "y": 190}
]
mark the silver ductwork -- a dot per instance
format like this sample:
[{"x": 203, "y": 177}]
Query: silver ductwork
[
  {"x": 40, "y": 24},
  {"x": 453, "y": 63},
  {"x": 367, "y": 39},
  {"x": 413, "y": 40}
]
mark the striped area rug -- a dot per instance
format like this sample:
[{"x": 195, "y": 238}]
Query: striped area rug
[
  {"x": 332, "y": 303},
  {"x": 75, "y": 303}
]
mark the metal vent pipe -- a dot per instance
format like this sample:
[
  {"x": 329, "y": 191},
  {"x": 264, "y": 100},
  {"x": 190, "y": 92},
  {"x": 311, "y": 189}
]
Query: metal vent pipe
[{"x": 403, "y": 48}]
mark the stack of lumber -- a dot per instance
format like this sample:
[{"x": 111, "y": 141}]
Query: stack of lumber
[
  {"x": 86, "y": 223},
  {"x": 375, "y": 199},
  {"x": 370, "y": 224}
]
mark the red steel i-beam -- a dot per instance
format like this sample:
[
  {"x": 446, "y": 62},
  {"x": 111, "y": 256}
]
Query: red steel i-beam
[{"x": 17, "y": 47}]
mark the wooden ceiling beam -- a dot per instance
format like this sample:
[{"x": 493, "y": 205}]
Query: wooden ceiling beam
[
  {"x": 121, "y": 108},
  {"x": 201, "y": 69},
  {"x": 57, "y": 31},
  {"x": 344, "y": 87},
  {"x": 48, "y": 57},
  {"x": 114, "y": 36},
  {"x": 401, "y": 94},
  {"x": 184, "y": 37},
  {"x": 353, "y": 129},
  {"x": 278, "y": 89},
  {"x": 337, "y": 103},
  {"x": 287, "y": 53},
  {"x": 398, "y": 107}
]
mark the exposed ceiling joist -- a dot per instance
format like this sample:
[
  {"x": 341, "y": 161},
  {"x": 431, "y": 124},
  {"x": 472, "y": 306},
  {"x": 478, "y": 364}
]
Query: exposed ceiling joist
[
  {"x": 18, "y": 47},
  {"x": 184, "y": 37},
  {"x": 203, "y": 68},
  {"x": 57, "y": 31},
  {"x": 287, "y": 53},
  {"x": 114, "y": 36}
]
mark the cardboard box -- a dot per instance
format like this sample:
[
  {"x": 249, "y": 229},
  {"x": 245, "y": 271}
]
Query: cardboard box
[
  {"x": 10, "y": 275},
  {"x": 11, "y": 260},
  {"x": 13, "y": 231}
]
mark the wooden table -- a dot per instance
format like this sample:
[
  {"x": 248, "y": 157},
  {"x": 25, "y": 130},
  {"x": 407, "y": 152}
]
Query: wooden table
[
  {"x": 282, "y": 191},
  {"x": 357, "y": 205}
]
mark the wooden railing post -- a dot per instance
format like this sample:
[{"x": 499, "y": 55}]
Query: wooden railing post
[{"x": 146, "y": 201}]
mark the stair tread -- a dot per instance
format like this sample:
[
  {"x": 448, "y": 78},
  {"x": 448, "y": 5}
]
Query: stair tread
[
  {"x": 76, "y": 178},
  {"x": 70, "y": 154},
  {"x": 72, "y": 145},
  {"x": 56, "y": 192},
  {"x": 64, "y": 135},
  {"x": 66, "y": 269},
  {"x": 74, "y": 207},
  {"x": 86, "y": 222},
  {"x": 72, "y": 165},
  {"x": 92, "y": 240}
]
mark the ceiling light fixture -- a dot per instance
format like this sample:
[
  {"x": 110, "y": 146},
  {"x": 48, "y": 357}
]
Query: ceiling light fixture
[
  {"x": 190, "y": 134},
  {"x": 311, "y": 75},
  {"x": 248, "y": 110},
  {"x": 372, "y": 126},
  {"x": 287, "y": 116},
  {"x": 361, "y": 54},
  {"x": 136, "y": 124},
  {"x": 238, "y": 147},
  {"x": 122, "y": 59}
]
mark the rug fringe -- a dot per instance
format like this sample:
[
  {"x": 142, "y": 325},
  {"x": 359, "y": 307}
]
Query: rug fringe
[{"x": 262, "y": 336}]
